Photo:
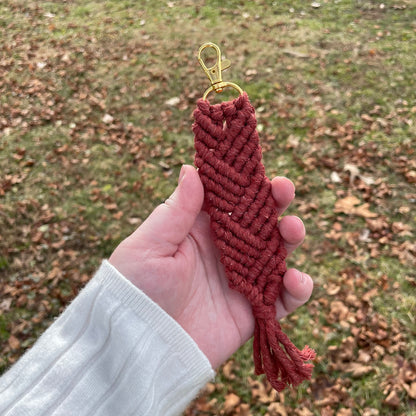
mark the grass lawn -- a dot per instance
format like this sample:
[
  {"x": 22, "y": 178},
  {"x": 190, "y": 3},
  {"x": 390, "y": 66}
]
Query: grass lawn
[{"x": 95, "y": 122}]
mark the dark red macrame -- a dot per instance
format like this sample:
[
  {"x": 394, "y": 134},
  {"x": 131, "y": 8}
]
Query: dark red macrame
[{"x": 244, "y": 221}]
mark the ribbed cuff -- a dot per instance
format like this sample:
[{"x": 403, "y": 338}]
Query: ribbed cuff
[{"x": 150, "y": 312}]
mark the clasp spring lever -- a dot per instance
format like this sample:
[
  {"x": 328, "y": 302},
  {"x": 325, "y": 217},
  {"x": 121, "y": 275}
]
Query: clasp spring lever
[{"x": 214, "y": 73}]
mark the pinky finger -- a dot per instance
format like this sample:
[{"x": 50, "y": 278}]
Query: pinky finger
[{"x": 298, "y": 288}]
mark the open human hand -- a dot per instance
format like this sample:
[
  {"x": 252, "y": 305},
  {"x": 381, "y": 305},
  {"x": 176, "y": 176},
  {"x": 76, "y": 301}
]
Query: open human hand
[{"x": 171, "y": 257}]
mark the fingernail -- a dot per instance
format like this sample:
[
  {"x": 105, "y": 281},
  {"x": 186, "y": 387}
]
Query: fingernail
[
  {"x": 181, "y": 174},
  {"x": 302, "y": 277},
  {"x": 305, "y": 278}
]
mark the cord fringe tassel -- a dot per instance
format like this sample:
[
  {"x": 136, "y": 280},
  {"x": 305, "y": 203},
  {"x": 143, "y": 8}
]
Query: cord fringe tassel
[{"x": 276, "y": 356}]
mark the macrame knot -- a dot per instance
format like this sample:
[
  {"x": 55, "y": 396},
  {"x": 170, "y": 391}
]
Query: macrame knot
[
  {"x": 262, "y": 311},
  {"x": 239, "y": 201}
]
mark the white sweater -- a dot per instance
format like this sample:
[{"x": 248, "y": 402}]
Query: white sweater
[{"x": 112, "y": 352}]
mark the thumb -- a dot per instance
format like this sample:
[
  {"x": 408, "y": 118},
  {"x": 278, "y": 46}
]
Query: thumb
[{"x": 169, "y": 224}]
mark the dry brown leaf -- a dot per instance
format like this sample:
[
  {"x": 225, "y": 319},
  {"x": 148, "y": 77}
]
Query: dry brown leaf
[
  {"x": 14, "y": 343},
  {"x": 260, "y": 393},
  {"x": 134, "y": 220},
  {"x": 411, "y": 389},
  {"x": 369, "y": 411},
  {"x": 364, "y": 211},
  {"x": 5, "y": 304},
  {"x": 243, "y": 410},
  {"x": 364, "y": 357},
  {"x": 303, "y": 411},
  {"x": 370, "y": 294},
  {"x": 111, "y": 206},
  {"x": 338, "y": 311},
  {"x": 377, "y": 224},
  {"x": 231, "y": 402},
  {"x": 55, "y": 272},
  {"x": 358, "y": 370},
  {"x": 209, "y": 388},
  {"x": 348, "y": 206},
  {"x": 392, "y": 399},
  {"x": 344, "y": 412},
  {"x": 118, "y": 215},
  {"x": 227, "y": 370},
  {"x": 342, "y": 353},
  {"x": 201, "y": 406},
  {"x": 354, "y": 172},
  {"x": 327, "y": 411},
  {"x": 329, "y": 400},
  {"x": 277, "y": 409},
  {"x": 411, "y": 176},
  {"x": 332, "y": 289},
  {"x": 401, "y": 229}
]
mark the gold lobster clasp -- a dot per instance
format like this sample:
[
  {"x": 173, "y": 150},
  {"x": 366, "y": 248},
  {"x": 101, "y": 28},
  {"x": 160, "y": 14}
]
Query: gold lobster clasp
[{"x": 214, "y": 72}]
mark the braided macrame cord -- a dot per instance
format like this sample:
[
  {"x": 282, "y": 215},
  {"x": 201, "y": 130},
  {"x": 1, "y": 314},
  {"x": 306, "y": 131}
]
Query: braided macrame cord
[{"x": 239, "y": 201}]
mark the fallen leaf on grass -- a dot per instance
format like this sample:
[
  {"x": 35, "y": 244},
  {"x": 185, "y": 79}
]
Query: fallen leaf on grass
[
  {"x": 107, "y": 119},
  {"x": 327, "y": 411},
  {"x": 411, "y": 176},
  {"x": 261, "y": 393},
  {"x": 358, "y": 370},
  {"x": 338, "y": 311},
  {"x": 363, "y": 211},
  {"x": 201, "y": 405},
  {"x": 411, "y": 389},
  {"x": 231, "y": 402},
  {"x": 335, "y": 178},
  {"x": 369, "y": 411},
  {"x": 227, "y": 370},
  {"x": 401, "y": 229},
  {"x": 303, "y": 411},
  {"x": 295, "y": 54},
  {"x": 173, "y": 101},
  {"x": 111, "y": 207},
  {"x": 392, "y": 399},
  {"x": 243, "y": 410},
  {"x": 370, "y": 294},
  {"x": 5, "y": 304},
  {"x": 355, "y": 173},
  {"x": 348, "y": 206},
  {"x": 118, "y": 215},
  {"x": 364, "y": 357},
  {"x": 276, "y": 409},
  {"x": 14, "y": 343},
  {"x": 377, "y": 224},
  {"x": 332, "y": 289},
  {"x": 344, "y": 412}
]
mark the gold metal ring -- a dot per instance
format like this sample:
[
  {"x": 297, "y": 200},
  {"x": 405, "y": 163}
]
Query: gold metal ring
[{"x": 219, "y": 88}]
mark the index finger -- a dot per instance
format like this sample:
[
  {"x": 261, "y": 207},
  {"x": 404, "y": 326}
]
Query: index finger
[{"x": 283, "y": 191}]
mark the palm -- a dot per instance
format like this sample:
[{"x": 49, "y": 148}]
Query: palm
[
  {"x": 219, "y": 318},
  {"x": 190, "y": 284}
]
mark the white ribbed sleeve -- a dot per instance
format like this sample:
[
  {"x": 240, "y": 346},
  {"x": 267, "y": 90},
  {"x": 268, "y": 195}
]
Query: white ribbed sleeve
[{"x": 112, "y": 352}]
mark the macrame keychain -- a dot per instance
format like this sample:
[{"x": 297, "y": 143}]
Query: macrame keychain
[{"x": 244, "y": 221}]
